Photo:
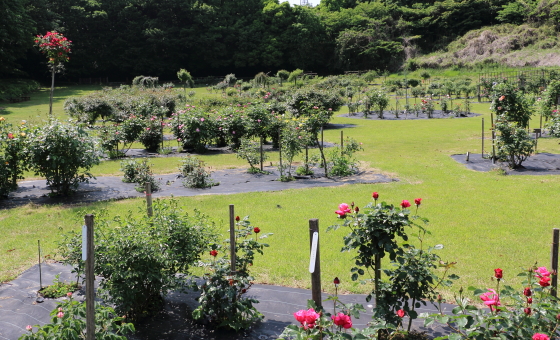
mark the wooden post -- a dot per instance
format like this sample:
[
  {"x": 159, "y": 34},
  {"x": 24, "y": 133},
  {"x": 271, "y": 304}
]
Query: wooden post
[
  {"x": 316, "y": 274},
  {"x": 280, "y": 152},
  {"x": 482, "y": 154},
  {"x": 149, "y": 199},
  {"x": 377, "y": 277},
  {"x": 90, "y": 279},
  {"x": 40, "y": 274},
  {"x": 341, "y": 143},
  {"x": 493, "y": 137},
  {"x": 554, "y": 261},
  {"x": 232, "y": 237},
  {"x": 52, "y": 91},
  {"x": 261, "y": 140}
]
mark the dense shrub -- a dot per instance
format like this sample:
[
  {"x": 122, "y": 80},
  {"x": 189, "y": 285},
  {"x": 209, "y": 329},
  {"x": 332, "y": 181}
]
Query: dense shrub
[
  {"x": 139, "y": 258},
  {"x": 15, "y": 88},
  {"x": 139, "y": 173},
  {"x": 194, "y": 174},
  {"x": 63, "y": 153},
  {"x": 13, "y": 155}
]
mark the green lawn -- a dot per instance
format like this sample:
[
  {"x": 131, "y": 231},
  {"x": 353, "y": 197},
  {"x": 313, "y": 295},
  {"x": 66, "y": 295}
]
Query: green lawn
[{"x": 484, "y": 220}]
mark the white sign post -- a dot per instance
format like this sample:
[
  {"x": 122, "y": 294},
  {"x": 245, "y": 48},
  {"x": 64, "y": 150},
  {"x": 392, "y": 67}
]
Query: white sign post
[
  {"x": 84, "y": 242},
  {"x": 313, "y": 255}
]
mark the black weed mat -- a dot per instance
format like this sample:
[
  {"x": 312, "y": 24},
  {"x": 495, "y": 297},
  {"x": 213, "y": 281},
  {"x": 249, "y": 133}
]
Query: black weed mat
[
  {"x": 19, "y": 308},
  {"x": 539, "y": 164},
  {"x": 231, "y": 181}
]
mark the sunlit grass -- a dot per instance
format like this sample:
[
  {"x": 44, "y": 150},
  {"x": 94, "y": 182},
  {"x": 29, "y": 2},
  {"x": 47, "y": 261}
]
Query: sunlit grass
[{"x": 484, "y": 220}]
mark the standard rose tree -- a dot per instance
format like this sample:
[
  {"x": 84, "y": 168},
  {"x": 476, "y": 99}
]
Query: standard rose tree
[{"x": 56, "y": 48}]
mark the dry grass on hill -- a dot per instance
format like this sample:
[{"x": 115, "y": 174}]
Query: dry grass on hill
[{"x": 506, "y": 44}]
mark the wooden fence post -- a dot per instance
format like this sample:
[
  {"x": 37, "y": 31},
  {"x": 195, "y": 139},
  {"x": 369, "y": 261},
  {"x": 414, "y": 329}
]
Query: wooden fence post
[
  {"x": 232, "y": 238},
  {"x": 90, "y": 280},
  {"x": 149, "y": 199},
  {"x": 554, "y": 261},
  {"x": 315, "y": 262}
]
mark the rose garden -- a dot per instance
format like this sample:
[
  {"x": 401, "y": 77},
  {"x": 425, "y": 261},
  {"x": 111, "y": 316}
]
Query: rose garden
[{"x": 383, "y": 240}]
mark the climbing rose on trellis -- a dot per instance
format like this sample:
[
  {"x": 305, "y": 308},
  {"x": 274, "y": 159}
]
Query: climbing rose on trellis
[{"x": 55, "y": 46}]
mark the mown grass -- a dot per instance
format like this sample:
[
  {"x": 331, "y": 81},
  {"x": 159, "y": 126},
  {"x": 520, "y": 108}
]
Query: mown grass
[{"x": 484, "y": 220}]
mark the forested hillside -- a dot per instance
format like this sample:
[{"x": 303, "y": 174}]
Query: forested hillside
[{"x": 125, "y": 38}]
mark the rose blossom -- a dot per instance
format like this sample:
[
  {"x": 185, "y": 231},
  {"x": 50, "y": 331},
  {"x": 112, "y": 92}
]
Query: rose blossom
[
  {"x": 491, "y": 299},
  {"x": 257, "y": 230},
  {"x": 542, "y": 271},
  {"x": 405, "y": 204},
  {"x": 29, "y": 328},
  {"x": 401, "y": 313},
  {"x": 527, "y": 291},
  {"x": 307, "y": 318},
  {"x": 60, "y": 315},
  {"x": 540, "y": 336},
  {"x": 498, "y": 273},
  {"x": 544, "y": 281},
  {"x": 342, "y": 320},
  {"x": 213, "y": 252},
  {"x": 375, "y": 195},
  {"x": 417, "y": 201},
  {"x": 343, "y": 209}
]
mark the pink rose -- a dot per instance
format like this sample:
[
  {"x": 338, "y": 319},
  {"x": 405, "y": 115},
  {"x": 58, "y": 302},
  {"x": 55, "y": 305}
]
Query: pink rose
[
  {"x": 491, "y": 299},
  {"x": 405, "y": 204},
  {"x": 343, "y": 209},
  {"x": 540, "y": 336},
  {"x": 401, "y": 313},
  {"x": 307, "y": 318},
  {"x": 29, "y": 328},
  {"x": 60, "y": 315},
  {"x": 542, "y": 271}
]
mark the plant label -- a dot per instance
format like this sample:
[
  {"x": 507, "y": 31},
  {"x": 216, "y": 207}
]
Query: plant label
[
  {"x": 84, "y": 242},
  {"x": 313, "y": 255}
]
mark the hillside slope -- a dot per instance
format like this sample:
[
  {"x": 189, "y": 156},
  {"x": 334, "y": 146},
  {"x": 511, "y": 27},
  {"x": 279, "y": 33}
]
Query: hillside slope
[{"x": 504, "y": 44}]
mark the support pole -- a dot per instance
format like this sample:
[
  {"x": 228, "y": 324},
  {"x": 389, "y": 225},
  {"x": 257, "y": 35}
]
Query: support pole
[
  {"x": 316, "y": 274},
  {"x": 232, "y": 238},
  {"x": 341, "y": 143},
  {"x": 40, "y": 274},
  {"x": 90, "y": 279},
  {"x": 149, "y": 199},
  {"x": 52, "y": 91},
  {"x": 554, "y": 261},
  {"x": 261, "y": 142},
  {"x": 482, "y": 154}
]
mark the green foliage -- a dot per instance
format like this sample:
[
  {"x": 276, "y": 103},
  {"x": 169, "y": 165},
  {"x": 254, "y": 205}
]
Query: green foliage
[
  {"x": 375, "y": 233},
  {"x": 58, "y": 289},
  {"x": 194, "y": 174},
  {"x": 63, "y": 153},
  {"x": 250, "y": 151},
  {"x": 223, "y": 300},
  {"x": 152, "y": 133},
  {"x": 342, "y": 161},
  {"x": 139, "y": 258},
  {"x": 69, "y": 322},
  {"x": 185, "y": 77},
  {"x": 549, "y": 99},
  {"x": 511, "y": 104},
  {"x": 514, "y": 313},
  {"x": 16, "y": 88},
  {"x": 13, "y": 155},
  {"x": 139, "y": 172},
  {"x": 294, "y": 75},
  {"x": 514, "y": 144}
]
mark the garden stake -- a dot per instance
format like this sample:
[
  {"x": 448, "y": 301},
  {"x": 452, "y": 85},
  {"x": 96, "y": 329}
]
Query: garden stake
[
  {"x": 261, "y": 142},
  {"x": 482, "y": 155},
  {"x": 316, "y": 274},
  {"x": 341, "y": 143},
  {"x": 280, "y": 153},
  {"x": 40, "y": 274},
  {"x": 149, "y": 198},
  {"x": 52, "y": 91},
  {"x": 554, "y": 261},
  {"x": 90, "y": 278},
  {"x": 232, "y": 238},
  {"x": 493, "y": 138}
]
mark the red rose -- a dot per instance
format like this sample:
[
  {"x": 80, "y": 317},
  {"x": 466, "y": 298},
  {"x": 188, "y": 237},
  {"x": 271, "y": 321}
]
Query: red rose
[
  {"x": 405, "y": 204},
  {"x": 527, "y": 291},
  {"x": 544, "y": 281},
  {"x": 527, "y": 311},
  {"x": 417, "y": 201},
  {"x": 237, "y": 218},
  {"x": 375, "y": 195},
  {"x": 256, "y": 230},
  {"x": 336, "y": 281},
  {"x": 529, "y": 300},
  {"x": 498, "y": 273},
  {"x": 213, "y": 252},
  {"x": 401, "y": 313},
  {"x": 356, "y": 209}
]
